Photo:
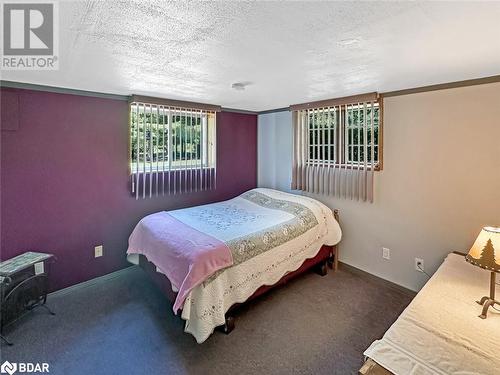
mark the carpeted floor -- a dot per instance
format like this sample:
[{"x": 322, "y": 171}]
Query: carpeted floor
[{"x": 312, "y": 325}]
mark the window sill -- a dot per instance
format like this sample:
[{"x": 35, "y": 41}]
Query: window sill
[
  {"x": 377, "y": 168},
  {"x": 166, "y": 171}
]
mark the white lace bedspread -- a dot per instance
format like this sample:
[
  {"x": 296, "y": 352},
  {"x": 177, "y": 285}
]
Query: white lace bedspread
[
  {"x": 206, "y": 305},
  {"x": 440, "y": 331}
]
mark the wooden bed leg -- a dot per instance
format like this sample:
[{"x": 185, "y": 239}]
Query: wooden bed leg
[
  {"x": 333, "y": 259},
  {"x": 336, "y": 263},
  {"x": 228, "y": 327},
  {"x": 322, "y": 268}
]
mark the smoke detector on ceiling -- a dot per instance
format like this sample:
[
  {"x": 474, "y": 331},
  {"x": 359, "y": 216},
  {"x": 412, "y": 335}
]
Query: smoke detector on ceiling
[
  {"x": 349, "y": 42},
  {"x": 240, "y": 86}
]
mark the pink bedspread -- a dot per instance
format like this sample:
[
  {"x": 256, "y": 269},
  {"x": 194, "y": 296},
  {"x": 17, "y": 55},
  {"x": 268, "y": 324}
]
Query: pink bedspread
[{"x": 185, "y": 255}]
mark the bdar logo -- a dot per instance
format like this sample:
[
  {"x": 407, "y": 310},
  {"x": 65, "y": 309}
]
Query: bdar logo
[{"x": 8, "y": 368}]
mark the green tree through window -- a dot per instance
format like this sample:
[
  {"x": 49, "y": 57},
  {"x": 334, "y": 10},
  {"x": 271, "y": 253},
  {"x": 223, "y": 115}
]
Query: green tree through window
[{"x": 164, "y": 139}]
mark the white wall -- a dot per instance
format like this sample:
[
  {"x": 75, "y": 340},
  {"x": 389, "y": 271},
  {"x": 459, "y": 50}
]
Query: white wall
[
  {"x": 439, "y": 186},
  {"x": 275, "y": 150}
]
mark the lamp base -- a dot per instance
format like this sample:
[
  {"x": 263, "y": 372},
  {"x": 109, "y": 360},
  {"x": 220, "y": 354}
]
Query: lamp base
[{"x": 486, "y": 302}]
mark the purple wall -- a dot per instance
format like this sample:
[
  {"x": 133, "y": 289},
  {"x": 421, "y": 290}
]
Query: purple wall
[{"x": 65, "y": 185}]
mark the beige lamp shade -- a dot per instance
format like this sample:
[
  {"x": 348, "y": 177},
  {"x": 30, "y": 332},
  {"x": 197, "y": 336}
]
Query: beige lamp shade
[{"x": 485, "y": 252}]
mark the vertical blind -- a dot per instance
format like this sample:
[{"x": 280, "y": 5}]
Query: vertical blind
[
  {"x": 172, "y": 147},
  {"x": 337, "y": 147}
]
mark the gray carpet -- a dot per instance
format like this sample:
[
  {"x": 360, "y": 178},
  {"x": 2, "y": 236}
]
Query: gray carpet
[{"x": 312, "y": 325}]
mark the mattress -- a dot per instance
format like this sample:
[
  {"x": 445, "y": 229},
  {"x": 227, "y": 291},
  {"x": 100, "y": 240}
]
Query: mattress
[
  {"x": 269, "y": 233},
  {"x": 440, "y": 331}
]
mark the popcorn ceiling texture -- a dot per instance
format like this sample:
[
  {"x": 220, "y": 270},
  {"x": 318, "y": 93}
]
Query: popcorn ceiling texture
[{"x": 290, "y": 52}]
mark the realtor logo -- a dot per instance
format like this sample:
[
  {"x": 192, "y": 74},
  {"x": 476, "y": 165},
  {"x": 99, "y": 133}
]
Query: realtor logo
[
  {"x": 30, "y": 36},
  {"x": 8, "y": 368},
  {"x": 28, "y": 29}
]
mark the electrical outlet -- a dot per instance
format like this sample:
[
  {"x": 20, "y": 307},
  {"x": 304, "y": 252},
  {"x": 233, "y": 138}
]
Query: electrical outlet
[
  {"x": 386, "y": 253},
  {"x": 419, "y": 265},
  {"x": 98, "y": 251}
]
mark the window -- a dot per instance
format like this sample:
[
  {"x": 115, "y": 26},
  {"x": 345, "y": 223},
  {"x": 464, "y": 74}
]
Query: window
[
  {"x": 172, "y": 148},
  {"x": 337, "y": 146},
  {"x": 360, "y": 135},
  {"x": 334, "y": 140},
  {"x": 164, "y": 139}
]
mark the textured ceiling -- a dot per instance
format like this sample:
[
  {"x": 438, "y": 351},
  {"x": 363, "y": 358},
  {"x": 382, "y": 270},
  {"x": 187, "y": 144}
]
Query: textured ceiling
[{"x": 287, "y": 52}]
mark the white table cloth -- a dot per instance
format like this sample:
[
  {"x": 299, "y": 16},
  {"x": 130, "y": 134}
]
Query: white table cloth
[{"x": 440, "y": 331}]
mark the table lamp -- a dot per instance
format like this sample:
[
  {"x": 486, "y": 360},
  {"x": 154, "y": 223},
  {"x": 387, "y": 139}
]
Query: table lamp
[{"x": 485, "y": 253}]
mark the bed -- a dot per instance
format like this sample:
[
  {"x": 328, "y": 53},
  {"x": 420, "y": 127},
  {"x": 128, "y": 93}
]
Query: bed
[
  {"x": 209, "y": 259},
  {"x": 440, "y": 332}
]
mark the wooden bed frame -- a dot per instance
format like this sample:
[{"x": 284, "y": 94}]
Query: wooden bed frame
[{"x": 327, "y": 257}]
